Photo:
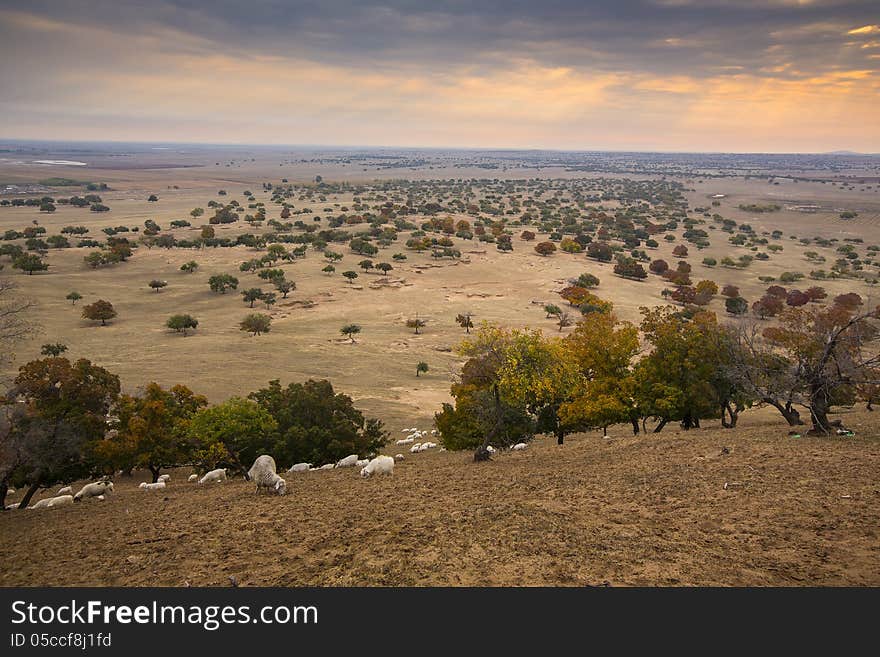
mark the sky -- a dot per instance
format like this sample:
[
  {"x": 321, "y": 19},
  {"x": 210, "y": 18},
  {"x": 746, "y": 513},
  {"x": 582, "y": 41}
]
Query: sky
[{"x": 651, "y": 75}]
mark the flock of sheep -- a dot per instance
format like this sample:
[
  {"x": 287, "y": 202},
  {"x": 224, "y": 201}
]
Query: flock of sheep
[{"x": 263, "y": 473}]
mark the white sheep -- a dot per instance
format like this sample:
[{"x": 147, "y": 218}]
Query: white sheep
[
  {"x": 348, "y": 461},
  {"x": 406, "y": 441},
  {"x": 491, "y": 449},
  {"x": 60, "y": 500},
  {"x": 520, "y": 446},
  {"x": 428, "y": 445},
  {"x": 100, "y": 498},
  {"x": 327, "y": 466},
  {"x": 263, "y": 474},
  {"x": 193, "y": 477},
  {"x": 361, "y": 462},
  {"x": 415, "y": 449},
  {"x": 93, "y": 490},
  {"x": 67, "y": 490},
  {"x": 399, "y": 457},
  {"x": 164, "y": 477},
  {"x": 214, "y": 476},
  {"x": 433, "y": 432},
  {"x": 300, "y": 467},
  {"x": 379, "y": 465},
  {"x": 159, "y": 485},
  {"x": 42, "y": 504}
]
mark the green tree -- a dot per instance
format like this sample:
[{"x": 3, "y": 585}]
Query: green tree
[
  {"x": 316, "y": 424},
  {"x": 182, "y": 323},
  {"x": 189, "y": 267},
  {"x": 29, "y": 262},
  {"x": 465, "y": 321},
  {"x": 232, "y": 433},
  {"x": 422, "y": 366},
  {"x": 252, "y": 295},
  {"x": 222, "y": 282},
  {"x": 256, "y": 323},
  {"x": 73, "y": 297},
  {"x": 53, "y": 350},
  {"x": 157, "y": 285},
  {"x": 350, "y": 275},
  {"x": 350, "y": 330}
]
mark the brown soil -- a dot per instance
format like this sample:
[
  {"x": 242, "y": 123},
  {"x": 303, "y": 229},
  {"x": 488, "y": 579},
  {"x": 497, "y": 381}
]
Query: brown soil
[{"x": 628, "y": 511}]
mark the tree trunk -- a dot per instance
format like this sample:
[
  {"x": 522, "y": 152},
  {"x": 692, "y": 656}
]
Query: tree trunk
[
  {"x": 660, "y": 426},
  {"x": 4, "y": 488},
  {"x": 560, "y": 437},
  {"x": 868, "y": 405},
  {"x": 788, "y": 412},
  {"x": 732, "y": 412},
  {"x": 482, "y": 453},
  {"x": 155, "y": 470},
  {"x": 635, "y": 425},
  {"x": 27, "y": 496}
]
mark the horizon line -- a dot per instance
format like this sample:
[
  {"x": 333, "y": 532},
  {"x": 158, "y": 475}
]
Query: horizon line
[{"x": 510, "y": 149}]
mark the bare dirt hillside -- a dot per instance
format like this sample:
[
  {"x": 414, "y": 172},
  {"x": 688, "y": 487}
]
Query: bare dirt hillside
[{"x": 627, "y": 511}]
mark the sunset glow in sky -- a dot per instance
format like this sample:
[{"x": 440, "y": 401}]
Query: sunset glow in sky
[{"x": 676, "y": 75}]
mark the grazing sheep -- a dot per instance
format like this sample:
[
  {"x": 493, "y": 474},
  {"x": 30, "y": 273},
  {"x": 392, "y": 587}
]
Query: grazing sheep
[
  {"x": 93, "y": 490},
  {"x": 193, "y": 477},
  {"x": 165, "y": 477},
  {"x": 263, "y": 474},
  {"x": 399, "y": 457},
  {"x": 327, "y": 466},
  {"x": 520, "y": 446},
  {"x": 60, "y": 500},
  {"x": 348, "y": 461},
  {"x": 214, "y": 476},
  {"x": 300, "y": 467},
  {"x": 415, "y": 449},
  {"x": 12, "y": 507},
  {"x": 159, "y": 485},
  {"x": 362, "y": 462},
  {"x": 67, "y": 490},
  {"x": 379, "y": 465},
  {"x": 428, "y": 446},
  {"x": 406, "y": 441}
]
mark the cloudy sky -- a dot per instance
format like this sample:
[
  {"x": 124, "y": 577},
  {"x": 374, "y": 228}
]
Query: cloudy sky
[{"x": 672, "y": 75}]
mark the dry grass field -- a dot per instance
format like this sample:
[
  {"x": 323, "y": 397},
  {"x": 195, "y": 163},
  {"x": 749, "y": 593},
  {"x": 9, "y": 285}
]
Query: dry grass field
[
  {"x": 619, "y": 510},
  {"x": 622, "y": 510},
  {"x": 378, "y": 371}
]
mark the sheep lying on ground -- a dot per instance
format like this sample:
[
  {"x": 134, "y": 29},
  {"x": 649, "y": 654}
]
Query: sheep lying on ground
[
  {"x": 214, "y": 476},
  {"x": 519, "y": 446},
  {"x": 263, "y": 474},
  {"x": 193, "y": 477},
  {"x": 67, "y": 490},
  {"x": 406, "y": 441},
  {"x": 50, "y": 502},
  {"x": 415, "y": 449},
  {"x": 60, "y": 500},
  {"x": 491, "y": 449},
  {"x": 159, "y": 485},
  {"x": 348, "y": 461},
  {"x": 399, "y": 457},
  {"x": 300, "y": 467},
  {"x": 327, "y": 466},
  {"x": 165, "y": 477},
  {"x": 361, "y": 462},
  {"x": 93, "y": 490},
  {"x": 379, "y": 465}
]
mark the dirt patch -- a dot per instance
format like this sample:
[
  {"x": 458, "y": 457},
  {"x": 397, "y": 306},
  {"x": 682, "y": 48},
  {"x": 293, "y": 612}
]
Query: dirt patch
[{"x": 629, "y": 511}]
